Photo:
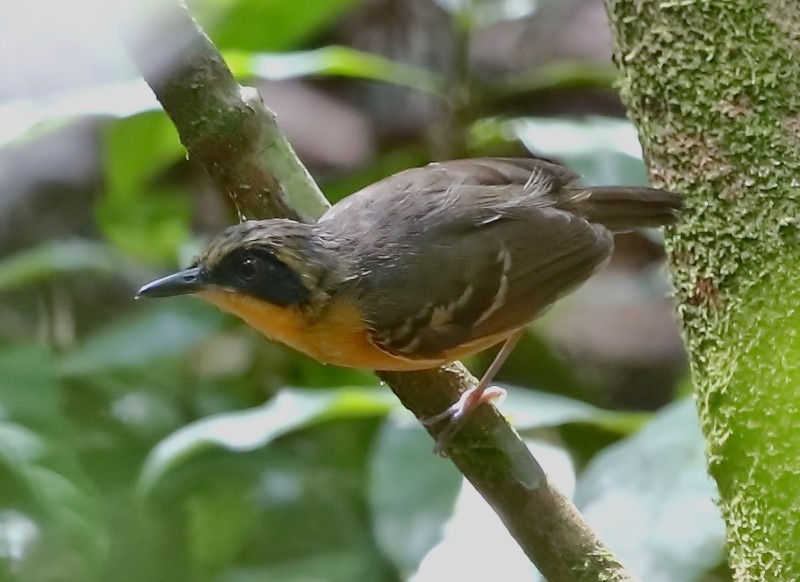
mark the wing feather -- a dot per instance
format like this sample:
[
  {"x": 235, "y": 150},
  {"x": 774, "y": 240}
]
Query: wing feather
[{"x": 463, "y": 250}]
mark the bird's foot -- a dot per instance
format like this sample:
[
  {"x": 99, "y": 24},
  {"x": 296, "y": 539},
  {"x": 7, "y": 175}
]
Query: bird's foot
[{"x": 456, "y": 413}]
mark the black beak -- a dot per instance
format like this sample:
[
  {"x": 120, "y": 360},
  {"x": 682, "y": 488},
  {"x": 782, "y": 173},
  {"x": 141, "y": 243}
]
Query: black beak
[{"x": 180, "y": 283}]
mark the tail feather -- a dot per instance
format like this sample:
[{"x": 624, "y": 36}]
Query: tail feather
[{"x": 621, "y": 208}]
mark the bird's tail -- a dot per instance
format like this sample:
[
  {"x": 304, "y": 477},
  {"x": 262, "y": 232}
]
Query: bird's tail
[{"x": 622, "y": 208}]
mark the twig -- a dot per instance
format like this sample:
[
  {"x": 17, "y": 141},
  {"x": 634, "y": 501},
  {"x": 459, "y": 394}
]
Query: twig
[{"x": 230, "y": 132}]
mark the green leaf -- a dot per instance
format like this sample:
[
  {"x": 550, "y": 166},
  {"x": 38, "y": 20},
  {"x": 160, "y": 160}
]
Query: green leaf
[
  {"x": 530, "y": 409},
  {"x": 558, "y": 75},
  {"x": 163, "y": 332},
  {"x": 40, "y": 472},
  {"x": 218, "y": 524},
  {"x": 28, "y": 388},
  {"x": 247, "y": 430},
  {"x": 59, "y": 257},
  {"x": 137, "y": 149},
  {"x": 301, "y": 496},
  {"x": 650, "y": 499},
  {"x": 334, "y": 61},
  {"x": 412, "y": 492},
  {"x": 139, "y": 213},
  {"x": 265, "y": 25}
]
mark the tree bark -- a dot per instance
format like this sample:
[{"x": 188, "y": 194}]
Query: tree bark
[{"x": 714, "y": 88}]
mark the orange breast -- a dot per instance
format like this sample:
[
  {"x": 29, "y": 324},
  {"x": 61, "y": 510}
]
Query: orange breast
[{"x": 339, "y": 337}]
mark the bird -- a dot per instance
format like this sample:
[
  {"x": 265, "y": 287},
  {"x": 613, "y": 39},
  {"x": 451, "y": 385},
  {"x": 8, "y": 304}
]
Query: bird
[{"x": 422, "y": 268}]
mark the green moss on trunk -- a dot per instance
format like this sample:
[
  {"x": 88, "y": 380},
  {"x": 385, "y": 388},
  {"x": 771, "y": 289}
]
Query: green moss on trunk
[{"x": 714, "y": 88}]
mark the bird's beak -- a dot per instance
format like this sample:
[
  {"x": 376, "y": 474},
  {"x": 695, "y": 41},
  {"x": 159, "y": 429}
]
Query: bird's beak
[{"x": 180, "y": 283}]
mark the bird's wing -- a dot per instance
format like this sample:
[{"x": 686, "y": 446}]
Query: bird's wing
[
  {"x": 485, "y": 282},
  {"x": 495, "y": 179},
  {"x": 466, "y": 252}
]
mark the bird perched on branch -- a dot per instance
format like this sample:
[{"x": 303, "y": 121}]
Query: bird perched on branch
[{"x": 424, "y": 267}]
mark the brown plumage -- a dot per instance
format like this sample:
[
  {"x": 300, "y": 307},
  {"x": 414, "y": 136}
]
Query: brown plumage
[{"x": 426, "y": 266}]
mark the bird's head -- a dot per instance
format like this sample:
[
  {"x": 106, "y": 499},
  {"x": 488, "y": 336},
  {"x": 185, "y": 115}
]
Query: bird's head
[{"x": 275, "y": 261}]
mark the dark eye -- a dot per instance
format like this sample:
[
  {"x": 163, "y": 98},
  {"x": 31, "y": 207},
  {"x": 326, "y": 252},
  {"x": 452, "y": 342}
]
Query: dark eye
[{"x": 249, "y": 269}]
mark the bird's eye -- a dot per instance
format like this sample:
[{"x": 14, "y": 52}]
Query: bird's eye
[{"x": 249, "y": 269}]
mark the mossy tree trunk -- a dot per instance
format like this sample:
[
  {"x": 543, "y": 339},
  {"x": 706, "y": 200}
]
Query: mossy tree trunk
[{"x": 714, "y": 88}]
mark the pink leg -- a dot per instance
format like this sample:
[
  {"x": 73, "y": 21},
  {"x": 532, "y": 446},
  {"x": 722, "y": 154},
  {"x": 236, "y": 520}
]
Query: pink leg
[{"x": 474, "y": 397}]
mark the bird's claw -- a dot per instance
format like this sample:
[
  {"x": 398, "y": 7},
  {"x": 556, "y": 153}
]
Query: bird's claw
[{"x": 456, "y": 413}]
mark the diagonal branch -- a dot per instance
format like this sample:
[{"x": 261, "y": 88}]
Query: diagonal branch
[
  {"x": 229, "y": 131},
  {"x": 224, "y": 127}
]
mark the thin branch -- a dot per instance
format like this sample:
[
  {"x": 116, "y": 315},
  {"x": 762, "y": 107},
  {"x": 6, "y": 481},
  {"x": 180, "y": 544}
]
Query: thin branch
[
  {"x": 225, "y": 127},
  {"x": 246, "y": 155}
]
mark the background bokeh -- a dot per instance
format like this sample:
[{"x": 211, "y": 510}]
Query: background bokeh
[{"x": 163, "y": 440}]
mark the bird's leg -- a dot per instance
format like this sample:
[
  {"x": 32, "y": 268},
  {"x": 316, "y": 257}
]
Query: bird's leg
[{"x": 472, "y": 398}]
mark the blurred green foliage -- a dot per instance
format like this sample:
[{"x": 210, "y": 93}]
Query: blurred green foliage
[
  {"x": 266, "y": 25},
  {"x": 169, "y": 442},
  {"x": 138, "y": 213}
]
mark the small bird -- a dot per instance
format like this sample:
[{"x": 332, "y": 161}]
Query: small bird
[{"x": 424, "y": 267}]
